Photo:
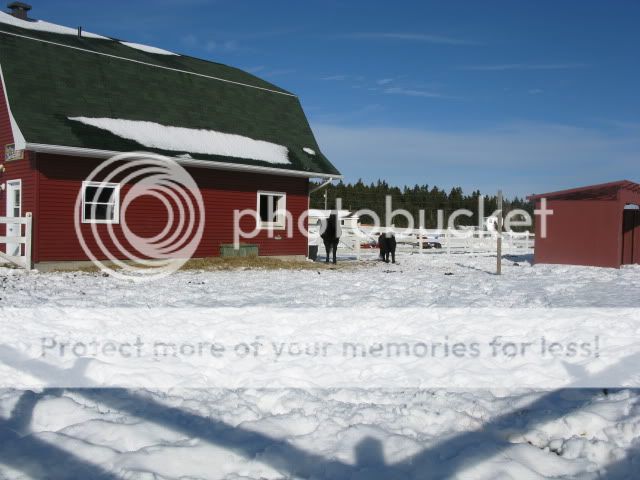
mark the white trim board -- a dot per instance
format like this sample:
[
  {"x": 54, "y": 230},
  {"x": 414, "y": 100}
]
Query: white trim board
[
  {"x": 190, "y": 162},
  {"x": 18, "y": 138}
]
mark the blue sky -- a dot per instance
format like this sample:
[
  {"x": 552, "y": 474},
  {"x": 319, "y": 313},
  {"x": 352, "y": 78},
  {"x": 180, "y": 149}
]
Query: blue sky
[{"x": 524, "y": 96}]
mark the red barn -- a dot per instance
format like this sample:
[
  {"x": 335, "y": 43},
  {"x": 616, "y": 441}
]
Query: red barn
[
  {"x": 598, "y": 225},
  {"x": 72, "y": 99}
]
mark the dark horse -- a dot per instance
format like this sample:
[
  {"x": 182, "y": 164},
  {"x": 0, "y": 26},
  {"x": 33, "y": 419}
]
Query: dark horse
[
  {"x": 387, "y": 246},
  {"x": 331, "y": 236}
]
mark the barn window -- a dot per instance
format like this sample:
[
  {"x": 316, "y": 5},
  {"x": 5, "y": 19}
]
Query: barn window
[
  {"x": 272, "y": 209},
  {"x": 100, "y": 202}
]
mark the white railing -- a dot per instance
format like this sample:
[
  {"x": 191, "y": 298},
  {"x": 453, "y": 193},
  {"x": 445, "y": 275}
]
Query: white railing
[
  {"x": 450, "y": 241},
  {"x": 21, "y": 242},
  {"x": 460, "y": 241},
  {"x": 350, "y": 240}
]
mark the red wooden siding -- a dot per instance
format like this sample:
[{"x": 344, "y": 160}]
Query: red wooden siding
[
  {"x": 581, "y": 233},
  {"x": 15, "y": 169},
  {"x": 60, "y": 179},
  {"x": 5, "y": 124},
  {"x": 589, "y": 226}
]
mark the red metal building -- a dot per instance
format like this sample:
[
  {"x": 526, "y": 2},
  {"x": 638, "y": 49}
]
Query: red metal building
[
  {"x": 69, "y": 100},
  {"x": 597, "y": 225}
]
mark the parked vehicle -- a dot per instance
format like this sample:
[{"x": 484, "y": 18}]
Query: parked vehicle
[{"x": 429, "y": 242}]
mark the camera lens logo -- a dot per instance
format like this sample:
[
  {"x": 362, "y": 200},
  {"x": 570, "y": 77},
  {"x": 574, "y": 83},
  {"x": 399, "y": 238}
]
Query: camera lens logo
[{"x": 108, "y": 237}]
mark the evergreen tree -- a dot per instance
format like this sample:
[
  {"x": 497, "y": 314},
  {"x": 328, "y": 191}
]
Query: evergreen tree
[{"x": 359, "y": 195}]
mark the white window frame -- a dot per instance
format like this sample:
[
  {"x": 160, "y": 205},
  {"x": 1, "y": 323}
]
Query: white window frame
[
  {"x": 116, "y": 207},
  {"x": 281, "y": 222}
]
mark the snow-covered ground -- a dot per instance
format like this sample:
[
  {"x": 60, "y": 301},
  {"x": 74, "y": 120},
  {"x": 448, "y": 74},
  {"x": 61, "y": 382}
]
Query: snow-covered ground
[
  {"x": 415, "y": 281},
  {"x": 341, "y": 433}
]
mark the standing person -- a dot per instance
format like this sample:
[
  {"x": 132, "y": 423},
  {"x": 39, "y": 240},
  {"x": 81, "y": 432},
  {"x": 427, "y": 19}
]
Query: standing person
[{"x": 331, "y": 236}]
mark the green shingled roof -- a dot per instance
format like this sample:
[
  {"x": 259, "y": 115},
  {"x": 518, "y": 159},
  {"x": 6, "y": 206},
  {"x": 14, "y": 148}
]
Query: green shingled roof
[{"x": 51, "y": 77}]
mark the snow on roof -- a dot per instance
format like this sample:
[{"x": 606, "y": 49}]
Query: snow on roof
[
  {"x": 148, "y": 49},
  {"x": 44, "y": 26},
  {"x": 180, "y": 139}
]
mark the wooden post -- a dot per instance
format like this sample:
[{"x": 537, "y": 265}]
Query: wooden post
[
  {"x": 499, "y": 246},
  {"x": 28, "y": 232},
  {"x": 472, "y": 246}
]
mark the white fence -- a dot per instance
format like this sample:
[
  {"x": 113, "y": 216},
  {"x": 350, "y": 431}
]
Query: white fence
[
  {"x": 356, "y": 241},
  {"x": 18, "y": 242},
  {"x": 481, "y": 241}
]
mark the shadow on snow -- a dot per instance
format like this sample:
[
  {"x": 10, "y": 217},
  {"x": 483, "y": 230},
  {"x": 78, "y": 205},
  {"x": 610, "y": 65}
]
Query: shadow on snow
[{"x": 22, "y": 451}]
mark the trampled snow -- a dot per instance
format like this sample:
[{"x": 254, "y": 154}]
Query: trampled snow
[
  {"x": 43, "y": 26},
  {"x": 180, "y": 139},
  {"x": 331, "y": 433},
  {"x": 148, "y": 48}
]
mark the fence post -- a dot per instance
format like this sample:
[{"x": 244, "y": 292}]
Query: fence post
[
  {"x": 499, "y": 245},
  {"x": 28, "y": 227},
  {"x": 473, "y": 242}
]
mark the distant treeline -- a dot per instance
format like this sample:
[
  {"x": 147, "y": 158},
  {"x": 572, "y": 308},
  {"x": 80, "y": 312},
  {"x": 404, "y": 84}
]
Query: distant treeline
[{"x": 358, "y": 196}]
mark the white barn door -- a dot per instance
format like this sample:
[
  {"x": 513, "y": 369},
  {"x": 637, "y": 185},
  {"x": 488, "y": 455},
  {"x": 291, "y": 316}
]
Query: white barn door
[{"x": 14, "y": 210}]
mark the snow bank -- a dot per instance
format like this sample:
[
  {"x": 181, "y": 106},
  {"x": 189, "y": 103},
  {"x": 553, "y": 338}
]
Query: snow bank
[
  {"x": 148, "y": 49},
  {"x": 43, "y": 26},
  {"x": 179, "y": 139}
]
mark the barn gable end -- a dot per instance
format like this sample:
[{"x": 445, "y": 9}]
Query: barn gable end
[{"x": 78, "y": 99}]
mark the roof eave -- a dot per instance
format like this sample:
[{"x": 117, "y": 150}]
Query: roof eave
[
  {"x": 190, "y": 162},
  {"x": 560, "y": 193}
]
